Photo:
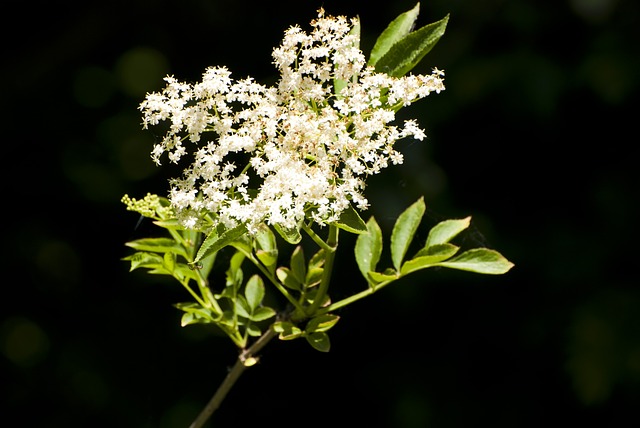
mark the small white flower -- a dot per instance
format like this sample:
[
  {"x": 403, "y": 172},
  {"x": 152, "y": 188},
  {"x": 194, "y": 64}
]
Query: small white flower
[{"x": 290, "y": 152}]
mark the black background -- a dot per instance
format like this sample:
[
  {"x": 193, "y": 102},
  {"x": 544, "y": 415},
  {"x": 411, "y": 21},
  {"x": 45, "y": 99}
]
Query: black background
[{"x": 534, "y": 137}]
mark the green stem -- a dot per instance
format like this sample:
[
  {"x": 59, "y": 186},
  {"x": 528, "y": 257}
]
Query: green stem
[
  {"x": 275, "y": 282},
  {"x": 353, "y": 298},
  {"x": 316, "y": 238},
  {"x": 329, "y": 257},
  {"x": 245, "y": 359}
]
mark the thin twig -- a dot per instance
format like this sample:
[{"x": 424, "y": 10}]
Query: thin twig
[{"x": 245, "y": 359}]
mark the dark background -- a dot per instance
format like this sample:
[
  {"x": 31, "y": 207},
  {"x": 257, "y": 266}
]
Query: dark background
[{"x": 534, "y": 138}]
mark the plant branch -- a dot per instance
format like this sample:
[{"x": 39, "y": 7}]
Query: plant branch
[{"x": 245, "y": 359}]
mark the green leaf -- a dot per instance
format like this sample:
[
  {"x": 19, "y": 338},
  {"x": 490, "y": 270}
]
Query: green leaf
[
  {"x": 319, "y": 340},
  {"x": 169, "y": 261},
  {"x": 292, "y": 236},
  {"x": 286, "y": 330},
  {"x": 377, "y": 277},
  {"x": 445, "y": 231},
  {"x": 253, "y": 330},
  {"x": 351, "y": 221},
  {"x": 158, "y": 245},
  {"x": 298, "y": 265},
  {"x": 480, "y": 260},
  {"x": 215, "y": 242},
  {"x": 314, "y": 276},
  {"x": 288, "y": 279},
  {"x": 368, "y": 248},
  {"x": 262, "y": 313},
  {"x": 429, "y": 257},
  {"x": 409, "y": 51},
  {"x": 317, "y": 260},
  {"x": 242, "y": 307},
  {"x": 396, "y": 30},
  {"x": 404, "y": 231},
  {"x": 266, "y": 247},
  {"x": 321, "y": 323},
  {"x": 144, "y": 260},
  {"x": 254, "y": 292},
  {"x": 171, "y": 224}
]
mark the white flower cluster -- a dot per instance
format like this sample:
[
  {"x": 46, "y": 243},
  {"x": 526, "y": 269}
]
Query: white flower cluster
[{"x": 301, "y": 149}]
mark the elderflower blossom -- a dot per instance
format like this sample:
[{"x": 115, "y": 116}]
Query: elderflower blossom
[{"x": 297, "y": 150}]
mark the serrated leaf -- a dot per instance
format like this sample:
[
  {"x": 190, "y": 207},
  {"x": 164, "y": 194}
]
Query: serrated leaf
[
  {"x": 169, "y": 261},
  {"x": 429, "y": 257},
  {"x": 368, "y": 248},
  {"x": 405, "y": 54},
  {"x": 396, "y": 30},
  {"x": 351, "y": 221},
  {"x": 144, "y": 260},
  {"x": 445, "y": 231},
  {"x": 479, "y": 260},
  {"x": 157, "y": 245},
  {"x": 254, "y": 292},
  {"x": 321, "y": 323},
  {"x": 262, "y": 313},
  {"x": 319, "y": 340},
  {"x": 404, "y": 230},
  {"x": 215, "y": 242}
]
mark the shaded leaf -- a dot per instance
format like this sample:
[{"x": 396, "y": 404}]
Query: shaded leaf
[
  {"x": 254, "y": 292},
  {"x": 319, "y": 340}
]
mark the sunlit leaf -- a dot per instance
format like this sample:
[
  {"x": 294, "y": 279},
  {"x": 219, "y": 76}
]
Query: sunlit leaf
[
  {"x": 445, "y": 231},
  {"x": 396, "y": 30},
  {"x": 480, "y": 260},
  {"x": 286, "y": 330},
  {"x": 429, "y": 257},
  {"x": 215, "y": 242},
  {"x": 262, "y": 313},
  {"x": 404, "y": 231},
  {"x": 351, "y": 221},
  {"x": 368, "y": 248},
  {"x": 321, "y": 323},
  {"x": 409, "y": 51},
  {"x": 157, "y": 245}
]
